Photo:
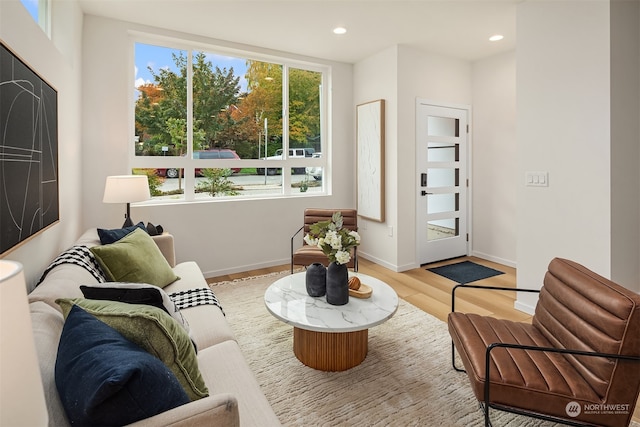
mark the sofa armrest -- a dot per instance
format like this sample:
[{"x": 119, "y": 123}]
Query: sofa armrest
[
  {"x": 215, "y": 410},
  {"x": 166, "y": 245}
]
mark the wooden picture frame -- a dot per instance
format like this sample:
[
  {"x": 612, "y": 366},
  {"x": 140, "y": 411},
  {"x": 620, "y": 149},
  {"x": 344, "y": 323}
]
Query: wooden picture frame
[
  {"x": 29, "y": 198},
  {"x": 370, "y": 143}
]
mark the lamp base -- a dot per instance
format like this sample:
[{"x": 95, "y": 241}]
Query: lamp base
[{"x": 127, "y": 222}]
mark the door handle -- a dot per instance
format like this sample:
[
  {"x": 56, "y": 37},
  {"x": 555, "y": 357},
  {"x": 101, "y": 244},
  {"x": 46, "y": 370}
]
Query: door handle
[{"x": 424, "y": 193}]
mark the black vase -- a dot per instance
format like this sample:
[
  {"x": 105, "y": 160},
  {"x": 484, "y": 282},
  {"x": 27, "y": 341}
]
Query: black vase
[
  {"x": 337, "y": 284},
  {"x": 316, "y": 280}
]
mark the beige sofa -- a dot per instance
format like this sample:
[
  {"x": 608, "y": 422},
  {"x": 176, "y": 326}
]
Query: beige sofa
[{"x": 235, "y": 398}]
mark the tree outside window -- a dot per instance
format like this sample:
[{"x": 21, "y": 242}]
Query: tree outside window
[{"x": 237, "y": 104}]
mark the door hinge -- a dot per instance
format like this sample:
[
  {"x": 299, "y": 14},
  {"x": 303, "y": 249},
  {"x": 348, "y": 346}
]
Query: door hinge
[
  {"x": 467, "y": 237},
  {"x": 467, "y": 128},
  {"x": 467, "y": 182}
]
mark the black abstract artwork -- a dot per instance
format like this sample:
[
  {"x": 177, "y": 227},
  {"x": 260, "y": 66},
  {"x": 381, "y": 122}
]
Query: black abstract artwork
[{"x": 28, "y": 152}]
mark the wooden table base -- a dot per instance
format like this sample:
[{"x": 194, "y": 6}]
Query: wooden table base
[{"x": 330, "y": 351}]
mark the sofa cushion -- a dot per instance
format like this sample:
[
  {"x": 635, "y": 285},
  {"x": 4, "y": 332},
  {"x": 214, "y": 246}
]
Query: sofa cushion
[
  {"x": 135, "y": 293},
  {"x": 207, "y": 323},
  {"x": 115, "y": 234},
  {"x": 153, "y": 330},
  {"x": 105, "y": 379},
  {"x": 135, "y": 258},
  {"x": 225, "y": 370}
]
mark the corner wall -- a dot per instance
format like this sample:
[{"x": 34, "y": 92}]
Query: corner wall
[
  {"x": 495, "y": 174},
  {"x": 400, "y": 75},
  {"x": 376, "y": 78},
  {"x": 563, "y": 127},
  {"x": 625, "y": 143}
]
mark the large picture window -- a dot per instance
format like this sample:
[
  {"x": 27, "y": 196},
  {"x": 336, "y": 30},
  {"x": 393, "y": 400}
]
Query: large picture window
[{"x": 211, "y": 125}]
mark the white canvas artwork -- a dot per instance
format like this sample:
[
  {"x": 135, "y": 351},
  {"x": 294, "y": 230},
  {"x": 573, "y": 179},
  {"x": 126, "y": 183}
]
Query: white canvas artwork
[{"x": 370, "y": 160}]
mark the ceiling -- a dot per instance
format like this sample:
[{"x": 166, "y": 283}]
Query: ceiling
[{"x": 456, "y": 28}]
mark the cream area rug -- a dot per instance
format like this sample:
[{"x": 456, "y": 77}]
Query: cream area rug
[{"x": 405, "y": 380}]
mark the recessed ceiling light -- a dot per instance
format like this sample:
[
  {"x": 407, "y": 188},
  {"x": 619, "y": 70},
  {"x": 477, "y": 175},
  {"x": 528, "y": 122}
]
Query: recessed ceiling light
[
  {"x": 496, "y": 37},
  {"x": 339, "y": 30}
]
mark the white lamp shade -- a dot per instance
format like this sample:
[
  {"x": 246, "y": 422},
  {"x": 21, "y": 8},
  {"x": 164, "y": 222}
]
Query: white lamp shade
[
  {"x": 22, "y": 400},
  {"x": 126, "y": 189}
]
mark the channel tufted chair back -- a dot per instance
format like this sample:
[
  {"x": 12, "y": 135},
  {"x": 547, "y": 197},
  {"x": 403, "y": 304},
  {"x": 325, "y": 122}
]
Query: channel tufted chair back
[
  {"x": 581, "y": 310},
  {"x": 307, "y": 255}
]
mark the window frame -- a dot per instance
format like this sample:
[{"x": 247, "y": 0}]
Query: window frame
[{"x": 189, "y": 164}]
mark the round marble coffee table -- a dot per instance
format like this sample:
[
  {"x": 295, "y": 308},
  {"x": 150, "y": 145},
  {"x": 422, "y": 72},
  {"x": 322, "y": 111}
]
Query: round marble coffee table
[{"x": 330, "y": 337}]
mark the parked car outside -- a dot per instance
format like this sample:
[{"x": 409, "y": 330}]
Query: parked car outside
[
  {"x": 293, "y": 153},
  {"x": 315, "y": 171},
  {"x": 216, "y": 153}
]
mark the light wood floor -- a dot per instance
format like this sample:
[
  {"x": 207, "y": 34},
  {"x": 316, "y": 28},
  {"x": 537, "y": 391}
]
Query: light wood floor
[{"x": 432, "y": 293}]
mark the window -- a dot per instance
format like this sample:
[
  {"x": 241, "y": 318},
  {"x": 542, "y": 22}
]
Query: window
[
  {"x": 208, "y": 124},
  {"x": 40, "y": 11}
]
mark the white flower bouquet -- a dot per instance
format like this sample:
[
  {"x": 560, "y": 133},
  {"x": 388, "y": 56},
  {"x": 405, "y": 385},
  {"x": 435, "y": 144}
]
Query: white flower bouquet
[{"x": 335, "y": 241}]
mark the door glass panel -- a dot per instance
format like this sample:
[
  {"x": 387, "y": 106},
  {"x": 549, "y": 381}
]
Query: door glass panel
[
  {"x": 443, "y": 126},
  {"x": 442, "y": 229},
  {"x": 443, "y": 152},
  {"x": 437, "y": 203},
  {"x": 438, "y": 177}
]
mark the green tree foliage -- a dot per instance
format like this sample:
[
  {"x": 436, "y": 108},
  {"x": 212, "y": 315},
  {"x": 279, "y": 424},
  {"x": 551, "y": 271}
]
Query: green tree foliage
[
  {"x": 161, "y": 109},
  {"x": 263, "y": 101},
  {"x": 223, "y": 116},
  {"x": 304, "y": 107}
]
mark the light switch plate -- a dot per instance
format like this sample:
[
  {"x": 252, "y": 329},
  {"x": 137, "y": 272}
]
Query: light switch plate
[{"x": 536, "y": 178}]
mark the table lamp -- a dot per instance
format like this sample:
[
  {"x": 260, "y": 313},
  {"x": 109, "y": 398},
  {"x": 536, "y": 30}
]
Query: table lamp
[
  {"x": 126, "y": 189},
  {"x": 22, "y": 400}
]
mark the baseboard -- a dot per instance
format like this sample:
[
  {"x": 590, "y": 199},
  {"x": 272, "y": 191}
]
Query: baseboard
[
  {"x": 244, "y": 268},
  {"x": 492, "y": 258},
  {"x": 526, "y": 308},
  {"x": 385, "y": 264}
]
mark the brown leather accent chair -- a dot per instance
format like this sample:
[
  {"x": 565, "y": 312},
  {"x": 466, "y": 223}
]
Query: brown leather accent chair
[
  {"x": 307, "y": 255},
  {"x": 577, "y": 362}
]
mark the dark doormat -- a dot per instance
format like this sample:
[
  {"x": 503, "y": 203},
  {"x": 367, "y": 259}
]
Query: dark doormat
[{"x": 465, "y": 272}]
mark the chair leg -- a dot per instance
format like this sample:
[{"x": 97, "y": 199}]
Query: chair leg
[
  {"x": 485, "y": 411},
  {"x": 453, "y": 358}
]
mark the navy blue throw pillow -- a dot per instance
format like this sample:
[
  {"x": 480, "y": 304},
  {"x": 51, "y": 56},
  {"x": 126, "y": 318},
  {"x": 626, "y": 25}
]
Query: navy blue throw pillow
[
  {"x": 115, "y": 234},
  {"x": 104, "y": 379}
]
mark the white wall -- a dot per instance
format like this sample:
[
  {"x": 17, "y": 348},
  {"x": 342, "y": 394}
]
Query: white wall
[
  {"x": 563, "y": 127},
  {"x": 625, "y": 143},
  {"x": 400, "y": 75},
  {"x": 441, "y": 80},
  {"x": 376, "y": 78},
  {"x": 222, "y": 237},
  {"x": 58, "y": 62},
  {"x": 495, "y": 173}
]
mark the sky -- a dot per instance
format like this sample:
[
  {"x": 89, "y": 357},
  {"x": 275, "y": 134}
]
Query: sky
[
  {"x": 158, "y": 58},
  {"x": 32, "y": 7}
]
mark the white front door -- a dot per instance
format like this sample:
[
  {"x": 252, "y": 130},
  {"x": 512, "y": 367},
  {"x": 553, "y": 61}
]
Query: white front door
[{"x": 442, "y": 182}]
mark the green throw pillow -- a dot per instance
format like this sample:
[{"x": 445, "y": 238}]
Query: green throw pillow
[
  {"x": 153, "y": 330},
  {"x": 135, "y": 258}
]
